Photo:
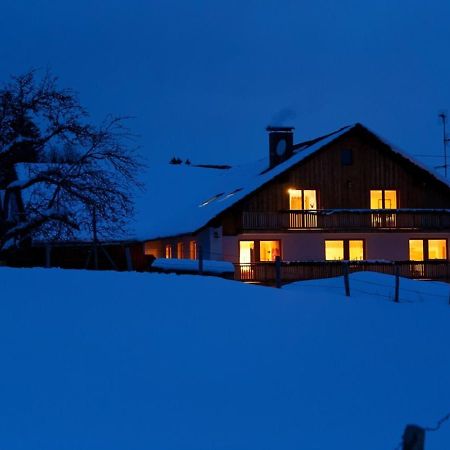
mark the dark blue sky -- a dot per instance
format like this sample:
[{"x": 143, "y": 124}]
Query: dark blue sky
[{"x": 204, "y": 78}]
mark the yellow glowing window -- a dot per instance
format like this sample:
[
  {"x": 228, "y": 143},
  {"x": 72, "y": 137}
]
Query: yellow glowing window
[
  {"x": 180, "y": 250},
  {"x": 302, "y": 199},
  {"x": 309, "y": 200},
  {"x": 416, "y": 250},
  {"x": 383, "y": 199},
  {"x": 390, "y": 199},
  {"x": 246, "y": 252},
  {"x": 334, "y": 250},
  {"x": 295, "y": 199},
  {"x": 150, "y": 248},
  {"x": 192, "y": 249},
  {"x": 437, "y": 249},
  {"x": 269, "y": 250},
  {"x": 356, "y": 250},
  {"x": 168, "y": 251}
]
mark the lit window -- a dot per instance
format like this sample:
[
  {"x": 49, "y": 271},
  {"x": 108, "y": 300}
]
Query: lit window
[
  {"x": 356, "y": 250},
  {"x": 168, "y": 251},
  {"x": 269, "y": 250},
  {"x": 383, "y": 199},
  {"x": 192, "y": 249},
  {"x": 246, "y": 252},
  {"x": 151, "y": 248},
  {"x": 346, "y": 249},
  {"x": 180, "y": 250},
  {"x": 300, "y": 199},
  {"x": 390, "y": 199},
  {"x": 334, "y": 250},
  {"x": 437, "y": 249},
  {"x": 416, "y": 250}
]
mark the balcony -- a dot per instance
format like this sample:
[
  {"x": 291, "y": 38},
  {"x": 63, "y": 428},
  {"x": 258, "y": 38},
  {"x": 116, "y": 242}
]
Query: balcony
[{"x": 347, "y": 220}]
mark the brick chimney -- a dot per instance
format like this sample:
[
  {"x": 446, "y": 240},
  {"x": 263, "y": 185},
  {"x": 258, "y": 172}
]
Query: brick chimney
[{"x": 281, "y": 144}]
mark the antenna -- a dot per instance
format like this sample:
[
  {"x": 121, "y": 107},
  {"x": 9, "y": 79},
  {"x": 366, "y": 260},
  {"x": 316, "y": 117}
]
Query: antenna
[{"x": 445, "y": 141}]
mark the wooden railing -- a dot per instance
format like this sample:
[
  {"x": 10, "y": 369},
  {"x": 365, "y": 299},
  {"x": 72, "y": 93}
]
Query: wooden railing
[
  {"x": 308, "y": 270},
  {"x": 356, "y": 219}
]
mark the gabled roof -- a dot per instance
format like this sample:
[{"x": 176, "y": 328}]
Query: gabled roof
[{"x": 183, "y": 199}]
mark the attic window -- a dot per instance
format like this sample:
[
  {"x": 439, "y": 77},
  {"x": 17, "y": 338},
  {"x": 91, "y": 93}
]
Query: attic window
[
  {"x": 210, "y": 200},
  {"x": 346, "y": 156}
]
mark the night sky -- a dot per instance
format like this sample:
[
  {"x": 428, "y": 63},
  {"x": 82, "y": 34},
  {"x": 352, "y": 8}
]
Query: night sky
[{"x": 204, "y": 78}]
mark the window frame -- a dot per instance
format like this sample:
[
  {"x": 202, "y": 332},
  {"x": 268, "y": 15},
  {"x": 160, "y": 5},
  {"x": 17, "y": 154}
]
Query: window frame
[
  {"x": 257, "y": 249},
  {"x": 346, "y": 248},
  {"x": 426, "y": 249},
  {"x": 302, "y": 190}
]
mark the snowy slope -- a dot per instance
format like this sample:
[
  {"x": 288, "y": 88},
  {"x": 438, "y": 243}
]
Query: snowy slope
[{"x": 144, "y": 361}]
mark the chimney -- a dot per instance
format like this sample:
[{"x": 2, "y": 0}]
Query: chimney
[{"x": 281, "y": 144}]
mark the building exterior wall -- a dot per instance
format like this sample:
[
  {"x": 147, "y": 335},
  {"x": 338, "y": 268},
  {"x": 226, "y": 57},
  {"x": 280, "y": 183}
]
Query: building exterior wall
[
  {"x": 311, "y": 246},
  {"x": 339, "y": 186}
]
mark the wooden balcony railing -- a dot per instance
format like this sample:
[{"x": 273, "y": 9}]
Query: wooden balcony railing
[
  {"x": 347, "y": 219},
  {"x": 265, "y": 272}
]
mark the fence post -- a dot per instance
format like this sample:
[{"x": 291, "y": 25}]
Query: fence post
[
  {"x": 200, "y": 259},
  {"x": 48, "y": 256},
  {"x": 346, "y": 280},
  {"x": 414, "y": 438},
  {"x": 397, "y": 284},
  {"x": 278, "y": 272}
]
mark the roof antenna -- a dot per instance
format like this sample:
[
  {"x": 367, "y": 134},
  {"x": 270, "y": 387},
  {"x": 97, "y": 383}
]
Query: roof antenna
[{"x": 445, "y": 140}]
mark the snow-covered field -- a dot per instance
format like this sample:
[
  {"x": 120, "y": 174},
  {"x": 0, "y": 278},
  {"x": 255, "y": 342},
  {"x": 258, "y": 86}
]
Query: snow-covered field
[{"x": 104, "y": 360}]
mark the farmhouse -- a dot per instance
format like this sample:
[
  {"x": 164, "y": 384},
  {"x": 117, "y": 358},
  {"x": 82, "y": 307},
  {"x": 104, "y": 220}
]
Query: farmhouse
[
  {"x": 345, "y": 196},
  {"x": 348, "y": 195}
]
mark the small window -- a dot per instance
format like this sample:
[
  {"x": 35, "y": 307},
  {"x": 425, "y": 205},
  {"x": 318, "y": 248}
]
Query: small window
[
  {"x": 347, "y": 249},
  {"x": 380, "y": 199},
  {"x": 193, "y": 250},
  {"x": 269, "y": 250},
  {"x": 334, "y": 250},
  {"x": 426, "y": 249},
  {"x": 437, "y": 249},
  {"x": 300, "y": 199},
  {"x": 346, "y": 156},
  {"x": 168, "y": 251},
  {"x": 180, "y": 250},
  {"x": 356, "y": 250}
]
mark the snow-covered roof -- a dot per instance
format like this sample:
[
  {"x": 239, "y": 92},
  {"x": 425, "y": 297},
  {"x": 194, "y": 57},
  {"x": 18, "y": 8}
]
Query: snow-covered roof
[{"x": 181, "y": 199}]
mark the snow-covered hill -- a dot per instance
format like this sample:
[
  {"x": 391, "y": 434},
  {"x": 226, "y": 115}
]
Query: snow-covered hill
[{"x": 104, "y": 360}]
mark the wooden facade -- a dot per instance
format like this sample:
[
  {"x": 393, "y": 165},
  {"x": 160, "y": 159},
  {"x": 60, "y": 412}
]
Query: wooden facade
[{"x": 347, "y": 186}]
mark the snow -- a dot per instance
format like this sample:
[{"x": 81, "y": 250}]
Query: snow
[
  {"x": 180, "y": 199},
  {"x": 110, "y": 360},
  {"x": 190, "y": 265}
]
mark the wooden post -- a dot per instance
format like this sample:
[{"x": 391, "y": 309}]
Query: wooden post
[
  {"x": 397, "y": 284},
  {"x": 346, "y": 280},
  {"x": 200, "y": 260},
  {"x": 414, "y": 438},
  {"x": 278, "y": 272},
  {"x": 48, "y": 256},
  {"x": 128, "y": 258}
]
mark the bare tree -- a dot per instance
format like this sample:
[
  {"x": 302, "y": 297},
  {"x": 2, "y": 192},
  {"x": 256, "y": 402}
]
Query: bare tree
[{"x": 60, "y": 167}]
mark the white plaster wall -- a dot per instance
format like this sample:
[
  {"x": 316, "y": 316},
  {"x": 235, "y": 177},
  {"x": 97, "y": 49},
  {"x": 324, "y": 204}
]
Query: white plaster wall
[{"x": 311, "y": 245}]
